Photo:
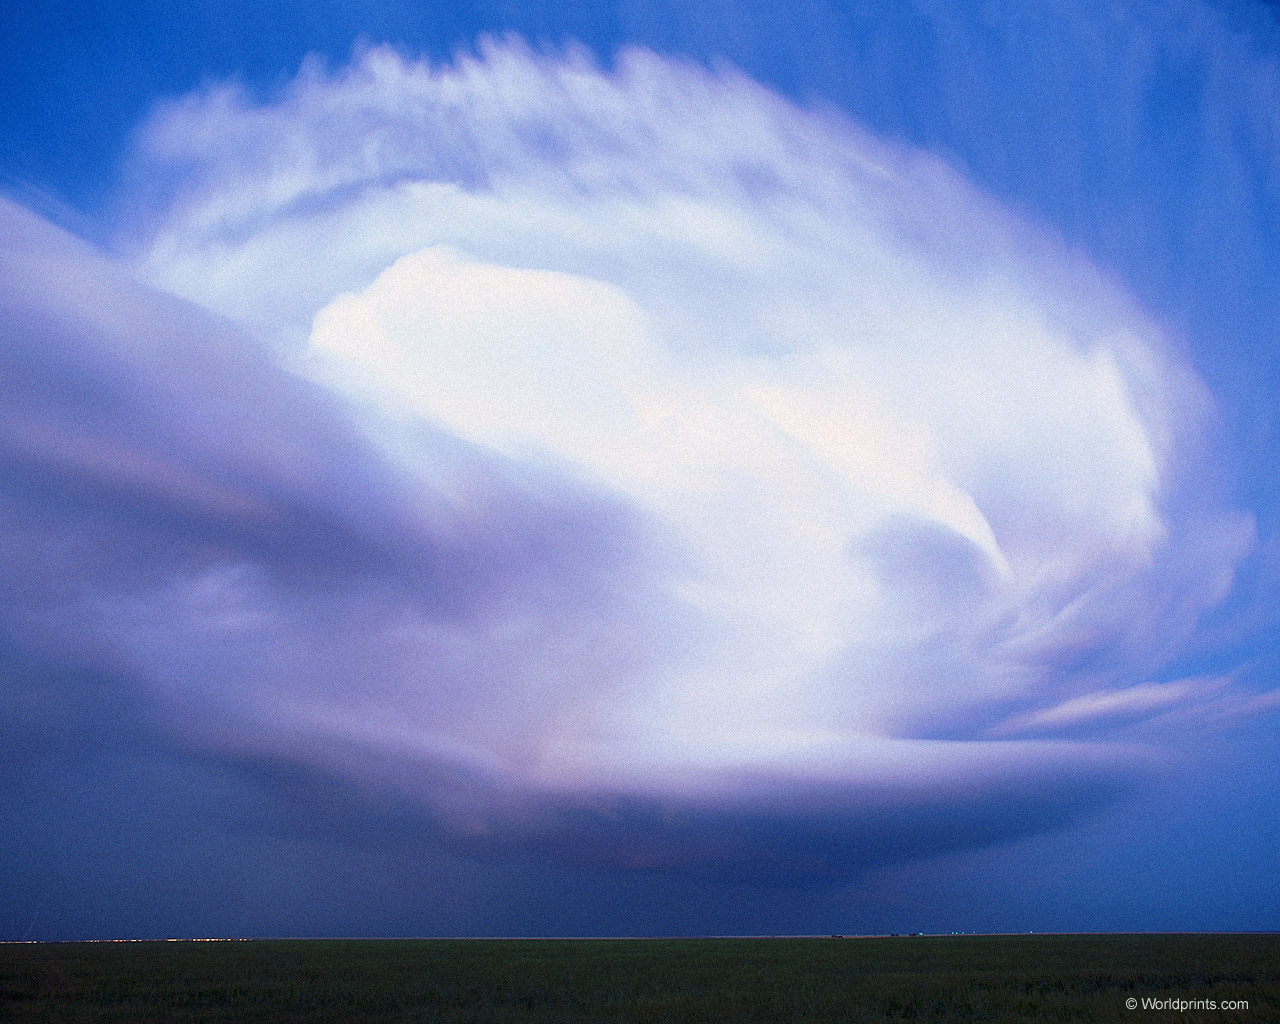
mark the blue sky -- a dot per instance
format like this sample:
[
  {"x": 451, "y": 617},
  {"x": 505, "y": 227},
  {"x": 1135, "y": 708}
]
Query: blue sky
[{"x": 624, "y": 469}]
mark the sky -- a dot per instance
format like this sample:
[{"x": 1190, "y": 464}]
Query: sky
[{"x": 629, "y": 469}]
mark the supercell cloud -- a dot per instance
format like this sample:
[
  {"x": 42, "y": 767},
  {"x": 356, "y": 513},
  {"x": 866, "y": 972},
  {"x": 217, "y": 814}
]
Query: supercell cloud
[{"x": 627, "y": 467}]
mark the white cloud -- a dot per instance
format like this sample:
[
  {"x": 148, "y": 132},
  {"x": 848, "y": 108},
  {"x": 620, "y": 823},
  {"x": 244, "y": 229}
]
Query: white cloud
[
  {"x": 1110, "y": 705},
  {"x": 917, "y": 459}
]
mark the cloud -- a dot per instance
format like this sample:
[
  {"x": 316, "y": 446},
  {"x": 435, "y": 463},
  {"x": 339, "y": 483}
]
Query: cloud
[
  {"x": 627, "y": 467},
  {"x": 212, "y": 524},
  {"x": 1108, "y": 706}
]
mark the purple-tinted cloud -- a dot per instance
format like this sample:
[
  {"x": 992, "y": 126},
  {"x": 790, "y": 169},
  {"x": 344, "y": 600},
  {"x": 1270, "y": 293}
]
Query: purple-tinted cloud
[{"x": 178, "y": 506}]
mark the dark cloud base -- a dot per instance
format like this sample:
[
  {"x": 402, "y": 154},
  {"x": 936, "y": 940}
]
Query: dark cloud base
[{"x": 130, "y": 835}]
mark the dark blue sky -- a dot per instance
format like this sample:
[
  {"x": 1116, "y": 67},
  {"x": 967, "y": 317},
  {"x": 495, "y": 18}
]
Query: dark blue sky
[{"x": 776, "y": 481}]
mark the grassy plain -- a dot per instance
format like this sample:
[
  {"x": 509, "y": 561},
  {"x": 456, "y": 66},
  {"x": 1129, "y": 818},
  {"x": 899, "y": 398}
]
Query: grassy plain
[{"x": 700, "y": 981}]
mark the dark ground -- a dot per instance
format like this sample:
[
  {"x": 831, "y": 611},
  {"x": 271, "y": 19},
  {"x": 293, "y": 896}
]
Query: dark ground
[{"x": 734, "y": 981}]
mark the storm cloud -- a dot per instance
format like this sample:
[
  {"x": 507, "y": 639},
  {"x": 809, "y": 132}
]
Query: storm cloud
[
  {"x": 627, "y": 462},
  {"x": 455, "y": 483}
]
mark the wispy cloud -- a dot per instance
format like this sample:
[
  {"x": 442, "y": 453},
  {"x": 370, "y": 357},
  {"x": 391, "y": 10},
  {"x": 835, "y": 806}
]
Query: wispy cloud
[{"x": 1110, "y": 706}]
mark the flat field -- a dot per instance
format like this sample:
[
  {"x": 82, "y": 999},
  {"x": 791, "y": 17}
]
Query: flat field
[{"x": 700, "y": 981}]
